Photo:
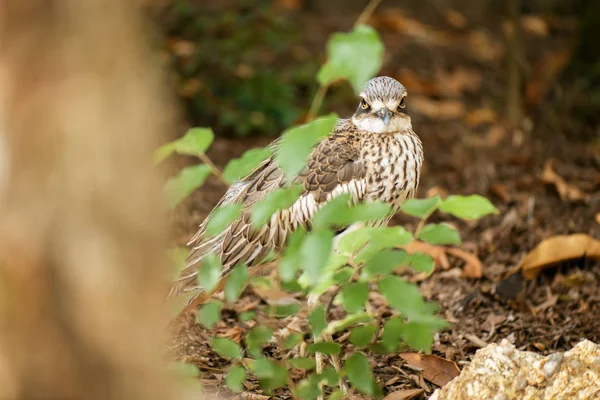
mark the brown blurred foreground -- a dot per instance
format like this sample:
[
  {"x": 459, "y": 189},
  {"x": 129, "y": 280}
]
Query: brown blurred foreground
[{"x": 81, "y": 238}]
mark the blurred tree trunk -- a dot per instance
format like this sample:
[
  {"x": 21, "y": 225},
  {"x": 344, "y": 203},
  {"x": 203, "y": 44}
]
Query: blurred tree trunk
[
  {"x": 81, "y": 240},
  {"x": 514, "y": 106}
]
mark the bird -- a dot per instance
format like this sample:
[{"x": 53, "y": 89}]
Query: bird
[{"x": 373, "y": 156}]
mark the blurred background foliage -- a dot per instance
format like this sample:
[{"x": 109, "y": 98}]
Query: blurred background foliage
[
  {"x": 240, "y": 68},
  {"x": 247, "y": 66}
]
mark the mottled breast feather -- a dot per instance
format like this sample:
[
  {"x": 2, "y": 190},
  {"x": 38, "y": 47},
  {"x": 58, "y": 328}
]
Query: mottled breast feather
[{"x": 333, "y": 168}]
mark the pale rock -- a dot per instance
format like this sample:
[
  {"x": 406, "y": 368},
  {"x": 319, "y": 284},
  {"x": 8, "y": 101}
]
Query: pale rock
[{"x": 501, "y": 372}]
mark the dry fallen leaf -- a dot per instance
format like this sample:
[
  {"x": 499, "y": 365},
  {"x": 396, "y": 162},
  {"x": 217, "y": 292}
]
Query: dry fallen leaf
[
  {"x": 417, "y": 84},
  {"x": 545, "y": 73},
  {"x": 458, "y": 81},
  {"x": 481, "y": 116},
  {"x": 566, "y": 191},
  {"x": 274, "y": 296},
  {"x": 483, "y": 46},
  {"x": 437, "y": 109},
  {"x": 535, "y": 25},
  {"x": 397, "y": 20},
  {"x": 436, "y": 370},
  {"x": 557, "y": 249},
  {"x": 598, "y": 218},
  {"x": 406, "y": 394},
  {"x": 456, "y": 19},
  {"x": 473, "y": 267},
  {"x": 500, "y": 191},
  {"x": 438, "y": 253}
]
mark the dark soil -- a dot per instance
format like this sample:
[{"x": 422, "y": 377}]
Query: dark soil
[{"x": 550, "y": 313}]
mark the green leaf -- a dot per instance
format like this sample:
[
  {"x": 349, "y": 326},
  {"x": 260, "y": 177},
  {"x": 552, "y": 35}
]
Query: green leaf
[
  {"x": 337, "y": 395},
  {"x": 226, "y": 348},
  {"x": 163, "y": 152},
  {"x": 209, "y": 313},
  {"x": 221, "y": 217},
  {"x": 390, "y": 236},
  {"x": 334, "y": 210},
  {"x": 209, "y": 273},
  {"x": 329, "y": 376},
  {"x": 241, "y": 167},
  {"x": 369, "y": 212},
  {"x": 352, "y": 241},
  {"x": 468, "y": 207},
  {"x": 339, "y": 212},
  {"x": 256, "y": 337},
  {"x": 297, "y": 143},
  {"x": 362, "y": 335},
  {"x": 359, "y": 373},
  {"x": 292, "y": 340},
  {"x": 439, "y": 234},
  {"x": 418, "y": 336},
  {"x": 421, "y": 262},
  {"x": 317, "y": 321},
  {"x": 183, "y": 184},
  {"x": 343, "y": 275},
  {"x": 303, "y": 363},
  {"x": 325, "y": 348},
  {"x": 247, "y": 316},
  {"x": 277, "y": 200},
  {"x": 284, "y": 310},
  {"x": 307, "y": 389},
  {"x": 235, "y": 282},
  {"x": 195, "y": 141},
  {"x": 421, "y": 207},
  {"x": 354, "y": 296},
  {"x": 340, "y": 325},
  {"x": 270, "y": 374},
  {"x": 235, "y": 378},
  {"x": 354, "y": 56},
  {"x": 392, "y": 334},
  {"x": 403, "y": 296},
  {"x": 290, "y": 262},
  {"x": 384, "y": 262},
  {"x": 315, "y": 253}
]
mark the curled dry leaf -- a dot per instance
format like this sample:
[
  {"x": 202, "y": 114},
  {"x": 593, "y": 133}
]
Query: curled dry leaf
[
  {"x": 406, "y": 394},
  {"x": 438, "y": 253},
  {"x": 473, "y": 267},
  {"x": 436, "y": 370},
  {"x": 557, "y": 249},
  {"x": 566, "y": 191}
]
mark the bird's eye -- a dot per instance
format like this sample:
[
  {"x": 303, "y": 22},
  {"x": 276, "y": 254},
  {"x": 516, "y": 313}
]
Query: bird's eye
[
  {"x": 363, "y": 104},
  {"x": 402, "y": 103}
]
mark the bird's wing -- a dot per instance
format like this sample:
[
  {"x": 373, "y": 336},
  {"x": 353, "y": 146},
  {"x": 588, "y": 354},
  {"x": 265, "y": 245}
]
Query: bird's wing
[{"x": 333, "y": 168}]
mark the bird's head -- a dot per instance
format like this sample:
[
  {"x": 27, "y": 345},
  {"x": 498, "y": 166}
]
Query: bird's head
[{"x": 381, "y": 108}]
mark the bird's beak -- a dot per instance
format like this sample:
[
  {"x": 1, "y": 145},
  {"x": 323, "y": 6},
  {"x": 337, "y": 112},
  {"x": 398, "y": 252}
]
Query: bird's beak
[{"x": 385, "y": 115}]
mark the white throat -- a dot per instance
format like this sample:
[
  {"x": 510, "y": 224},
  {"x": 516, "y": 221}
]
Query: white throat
[{"x": 376, "y": 125}]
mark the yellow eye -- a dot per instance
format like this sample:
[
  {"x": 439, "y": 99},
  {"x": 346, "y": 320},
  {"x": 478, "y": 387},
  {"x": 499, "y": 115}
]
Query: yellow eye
[
  {"x": 364, "y": 105},
  {"x": 402, "y": 105}
]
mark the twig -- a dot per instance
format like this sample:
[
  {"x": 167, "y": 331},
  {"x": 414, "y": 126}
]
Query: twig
[
  {"x": 213, "y": 168},
  {"x": 367, "y": 12},
  {"x": 316, "y": 103}
]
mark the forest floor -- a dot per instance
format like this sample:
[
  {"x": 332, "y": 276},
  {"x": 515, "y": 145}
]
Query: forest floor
[{"x": 544, "y": 179}]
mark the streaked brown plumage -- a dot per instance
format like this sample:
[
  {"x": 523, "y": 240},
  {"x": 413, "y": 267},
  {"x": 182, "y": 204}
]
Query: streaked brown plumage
[{"x": 375, "y": 155}]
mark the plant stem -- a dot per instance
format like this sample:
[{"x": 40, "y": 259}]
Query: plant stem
[
  {"x": 213, "y": 168},
  {"x": 316, "y": 103},
  {"x": 367, "y": 12}
]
